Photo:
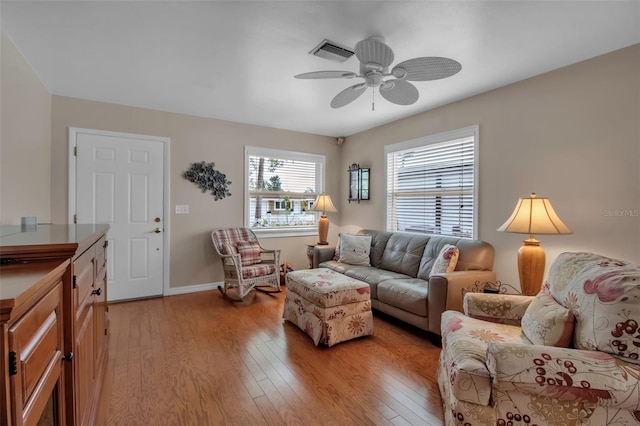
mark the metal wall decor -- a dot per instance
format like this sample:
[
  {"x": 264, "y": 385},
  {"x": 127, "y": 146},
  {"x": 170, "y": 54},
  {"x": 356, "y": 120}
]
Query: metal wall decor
[
  {"x": 209, "y": 179},
  {"x": 358, "y": 183}
]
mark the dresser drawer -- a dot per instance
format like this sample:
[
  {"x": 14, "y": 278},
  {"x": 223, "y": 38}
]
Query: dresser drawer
[
  {"x": 36, "y": 339},
  {"x": 83, "y": 271}
]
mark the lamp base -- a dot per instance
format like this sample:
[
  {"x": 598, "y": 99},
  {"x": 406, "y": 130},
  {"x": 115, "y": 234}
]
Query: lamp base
[
  {"x": 531, "y": 261},
  {"x": 323, "y": 230}
]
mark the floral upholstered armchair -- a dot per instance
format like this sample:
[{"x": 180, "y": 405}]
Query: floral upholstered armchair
[{"x": 568, "y": 356}]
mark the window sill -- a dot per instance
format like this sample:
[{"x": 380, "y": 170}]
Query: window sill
[{"x": 280, "y": 233}]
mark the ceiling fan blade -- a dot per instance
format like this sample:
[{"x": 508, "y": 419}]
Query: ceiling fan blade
[
  {"x": 326, "y": 74},
  {"x": 348, "y": 95},
  {"x": 399, "y": 92},
  {"x": 372, "y": 50},
  {"x": 424, "y": 69}
]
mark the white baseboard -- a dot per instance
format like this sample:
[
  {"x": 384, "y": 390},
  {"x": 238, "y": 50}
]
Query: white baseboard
[{"x": 173, "y": 291}]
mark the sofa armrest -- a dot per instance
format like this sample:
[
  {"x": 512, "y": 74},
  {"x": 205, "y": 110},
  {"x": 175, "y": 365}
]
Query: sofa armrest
[
  {"x": 447, "y": 287},
  {"x": 498, "y": 308},
  {"x": 566, "y": 374},
  {"x": 322, "y": 254}
]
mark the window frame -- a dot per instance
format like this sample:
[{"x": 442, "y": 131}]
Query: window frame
[
  {"x": 439, "y": 138},
  {"x": 282, "y": 231}
]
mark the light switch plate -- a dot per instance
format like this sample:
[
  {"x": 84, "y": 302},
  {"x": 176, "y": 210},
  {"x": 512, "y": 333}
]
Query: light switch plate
[{"x": 182, "y": 208}]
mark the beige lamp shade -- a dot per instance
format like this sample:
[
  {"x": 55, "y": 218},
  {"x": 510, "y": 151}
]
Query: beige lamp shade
[
  {"x": 533, "y": 215},
  {"x": 323, "y": 204}
]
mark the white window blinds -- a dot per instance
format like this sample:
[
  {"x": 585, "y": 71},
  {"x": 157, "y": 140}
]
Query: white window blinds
[
  {"x": 431, "y": 184},
  {"x": 281, "y": 187}
]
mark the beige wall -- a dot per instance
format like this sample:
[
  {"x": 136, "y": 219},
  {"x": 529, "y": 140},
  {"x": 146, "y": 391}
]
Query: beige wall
[
  {"x": 25, "y": 139},
  {"x": 571, "y": 135},
  {"x": 192, "y": 139}
]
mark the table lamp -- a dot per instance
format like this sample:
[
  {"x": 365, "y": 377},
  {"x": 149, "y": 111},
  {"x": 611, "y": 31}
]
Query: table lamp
[
  {"x": 323, "y": 204},
  {"x": 533, "y": 215}
]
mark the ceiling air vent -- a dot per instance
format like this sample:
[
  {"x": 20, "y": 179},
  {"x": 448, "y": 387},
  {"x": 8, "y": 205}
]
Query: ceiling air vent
[{"x": 332, "y": 51}]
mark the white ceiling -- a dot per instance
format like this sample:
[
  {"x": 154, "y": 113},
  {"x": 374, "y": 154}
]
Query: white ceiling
[{"x": 236, "y": 60}]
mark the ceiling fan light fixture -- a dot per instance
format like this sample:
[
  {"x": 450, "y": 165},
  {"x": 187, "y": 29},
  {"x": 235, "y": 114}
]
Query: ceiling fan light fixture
[{"x": 373, "y": 79}]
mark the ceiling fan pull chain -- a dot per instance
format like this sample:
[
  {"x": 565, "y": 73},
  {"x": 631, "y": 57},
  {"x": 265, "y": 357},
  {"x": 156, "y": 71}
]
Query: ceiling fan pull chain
[{"x": 373, "y": 100}]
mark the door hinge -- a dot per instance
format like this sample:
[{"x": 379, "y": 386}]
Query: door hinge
[
  {"x": 105, "y": 331},
  {"x": 75, "y": 151},
  {"x": 13, "y": 363},
  {"x": 75, "y": 218},
  {"x": 75, "y": 281},
  {"x": 106, "y": 243}
]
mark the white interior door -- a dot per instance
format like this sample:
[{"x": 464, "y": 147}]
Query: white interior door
[{"x": 119, "y": 181}]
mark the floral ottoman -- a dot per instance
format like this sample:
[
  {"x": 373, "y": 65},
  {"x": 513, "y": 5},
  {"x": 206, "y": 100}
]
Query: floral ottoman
[{"x": 328, "y": 306}]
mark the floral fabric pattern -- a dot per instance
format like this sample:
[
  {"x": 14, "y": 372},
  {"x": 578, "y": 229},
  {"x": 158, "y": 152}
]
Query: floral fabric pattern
[
  {"x": 446, "y": 261},
  {"x": 547, "y": 322},
  {"x": 514, "y": 382},
  {"x": 329, "y": 307},
  {"x": 327, "y": 288},
  {"x": 464, "y": 349},
  {"x": 604, "y": 295},
  {"x": 498, "y": 308}
]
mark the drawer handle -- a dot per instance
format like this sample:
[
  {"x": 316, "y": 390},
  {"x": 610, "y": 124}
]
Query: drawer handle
[
  {"x": 97, "y": 292},
  {"x": 68, "y": 357}
]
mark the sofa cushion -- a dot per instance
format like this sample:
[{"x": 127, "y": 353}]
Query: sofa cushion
[
  {"x": 464, "y": 353},
  {"x": 548, "y": 323},
  {"x": 407, "y": 294},
  {"x": 369, "y": 274},
  {"x": 355, "y": 249},
  {"x": 604, "y": 296},
  {"x": 403, "y": 253}
]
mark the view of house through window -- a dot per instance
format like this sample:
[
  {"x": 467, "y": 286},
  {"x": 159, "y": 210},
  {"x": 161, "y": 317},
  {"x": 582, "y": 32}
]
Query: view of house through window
[
  {"x": 281, "y": 187},
  {"x": 431, "y": 184}
]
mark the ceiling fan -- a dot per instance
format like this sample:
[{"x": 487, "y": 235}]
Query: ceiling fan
[{"x": 375, "y": 57}]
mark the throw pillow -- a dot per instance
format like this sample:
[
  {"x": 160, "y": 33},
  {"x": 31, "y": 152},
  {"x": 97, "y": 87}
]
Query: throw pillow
[
  {"x": 446, "y": 260},
  {"x": 249, "y": 252},
  {"x": 355, "y": 249},
  {"x": 228, "y": 249},
  {"x": 548, "y": 323}
]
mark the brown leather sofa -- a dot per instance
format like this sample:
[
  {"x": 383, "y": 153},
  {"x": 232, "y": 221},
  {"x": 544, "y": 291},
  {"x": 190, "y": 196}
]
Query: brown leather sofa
[{"x": 399, "y": 274}]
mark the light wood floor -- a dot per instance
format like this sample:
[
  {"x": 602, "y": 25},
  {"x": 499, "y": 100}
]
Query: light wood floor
[{"x": 197, "y": 359}]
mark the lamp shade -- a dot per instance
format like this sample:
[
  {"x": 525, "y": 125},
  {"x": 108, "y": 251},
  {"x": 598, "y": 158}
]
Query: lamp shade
[
  {"x": 323, "y": 204},
  {"x": 534, "y": 215}
]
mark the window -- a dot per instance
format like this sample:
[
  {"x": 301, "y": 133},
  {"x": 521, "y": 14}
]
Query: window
[
  {"x": 432, "y": 184},
  {"x": 280, "y": 189}
]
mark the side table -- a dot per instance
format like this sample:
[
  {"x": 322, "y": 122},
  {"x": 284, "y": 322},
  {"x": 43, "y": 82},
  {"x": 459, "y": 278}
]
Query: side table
[{"x": 497, "y": 287}]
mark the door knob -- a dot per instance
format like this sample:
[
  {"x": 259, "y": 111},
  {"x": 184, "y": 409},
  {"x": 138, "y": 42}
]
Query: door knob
[
  {"x": 157, "y": 230},
  {"x": 157, "y": 219}
]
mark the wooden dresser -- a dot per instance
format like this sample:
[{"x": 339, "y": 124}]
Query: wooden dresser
[{"x": 54, "y": 318}]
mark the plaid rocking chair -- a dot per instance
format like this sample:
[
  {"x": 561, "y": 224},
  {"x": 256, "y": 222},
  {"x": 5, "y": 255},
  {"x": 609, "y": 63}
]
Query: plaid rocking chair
[{"x": 245, "y": 262}]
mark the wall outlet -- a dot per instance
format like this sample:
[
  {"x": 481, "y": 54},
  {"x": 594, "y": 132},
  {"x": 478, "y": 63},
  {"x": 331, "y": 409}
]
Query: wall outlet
[{"x": 182, "y": 208}]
